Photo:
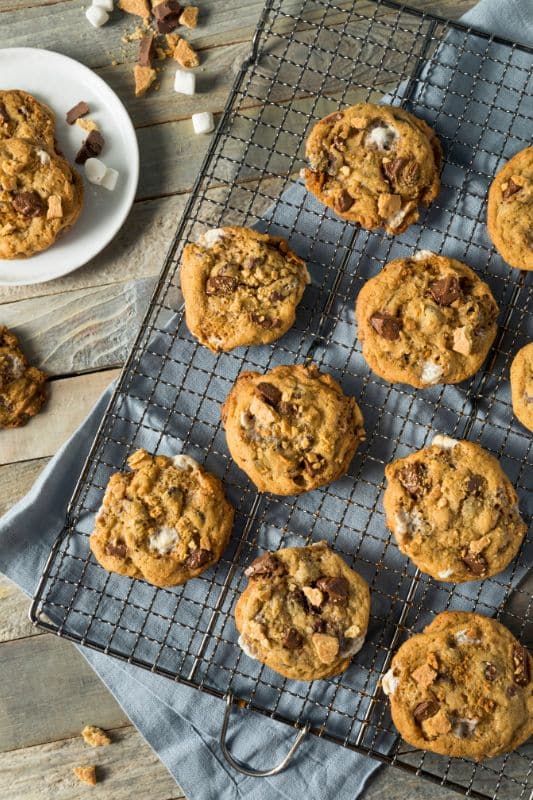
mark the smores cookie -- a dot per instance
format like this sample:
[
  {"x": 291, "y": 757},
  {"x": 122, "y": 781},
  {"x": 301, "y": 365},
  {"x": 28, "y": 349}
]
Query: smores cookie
[
  {"x": 22, "y": 390},
  {"x": 510, "y": 210},
  {"x": 165, "y": 521},
  {"x": 374, "y": 165},
  {"x": 462, "y": 688},
  {"x": 292, "y": 429},
  {"x": 304, "y": 612},
  {"x": 522, "y": 385},
  {"x": 426, "y": 320},
  {"x": 240, "y": 287},
  {"x": 453, "y": 511},
  {"x": 24, "y": 117}
]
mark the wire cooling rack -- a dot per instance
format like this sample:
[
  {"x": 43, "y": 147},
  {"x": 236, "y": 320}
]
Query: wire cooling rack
[{"x": 308, "y": 58}]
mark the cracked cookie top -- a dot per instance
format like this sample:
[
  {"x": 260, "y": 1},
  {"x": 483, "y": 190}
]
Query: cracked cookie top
[
  {"x": 292, "y": 429},
  {"x": 522, "y": 385},
  {"x": 241, "y": 287},
  {"x": 426, "y": 320},
  {"x": 462, "y": 688},
  {"x": 24, "y": 117},
  {"x": 374, "y": 165},
  {"x": 165, "y": 521},
  {"x": 304, "y": 612},
  {"x": 510, "y": 210},
  {"x": 22, "y": 390},
  {"x": 453, "y": 511}
]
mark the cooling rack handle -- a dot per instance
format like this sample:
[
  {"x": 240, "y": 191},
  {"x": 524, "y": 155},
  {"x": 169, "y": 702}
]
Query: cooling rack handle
[{"x": 255, "y": 773}]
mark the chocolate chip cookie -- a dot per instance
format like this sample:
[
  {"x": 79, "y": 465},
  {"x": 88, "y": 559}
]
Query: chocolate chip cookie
[
  {"x": 240, "y": 287},
  {"x": 304, "y": 612},
  {"x": 24, "y": 117},
  {"x": 374, "y": 165},
  {"x": 453, "y": 511},
  {"x": 166, "y": 521},
  {"x": 292, "y": 429},
  {"x": 462, "y": 688},
  {"x": 426, "y": 320},
  {"x": 522, "y": 385},
  {"x": 510, "y": 210},
  {"x": 22, "y": 390},
  {"x": 40, "y": 197}
]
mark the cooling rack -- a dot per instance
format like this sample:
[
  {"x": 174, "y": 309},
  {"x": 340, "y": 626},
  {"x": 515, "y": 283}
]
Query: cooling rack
[{"x": 309, "y": 57}]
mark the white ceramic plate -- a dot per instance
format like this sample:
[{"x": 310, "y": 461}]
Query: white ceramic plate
[{"x": 61, "y": 82}]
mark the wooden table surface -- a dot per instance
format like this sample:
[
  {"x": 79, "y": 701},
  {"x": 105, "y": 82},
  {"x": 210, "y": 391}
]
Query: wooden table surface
[{"x": 79, "y": 329}]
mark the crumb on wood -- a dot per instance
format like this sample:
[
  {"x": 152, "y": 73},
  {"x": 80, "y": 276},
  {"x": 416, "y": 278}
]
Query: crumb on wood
[
  {"x": 86, "y": 774},
  {"x": 140, "y": 8},
  {"x": 144, "y": 77},
  {"x": 185, "y": 55},
  {"x": 95, "y": 736},
  {"x": 189, "y": 17}
]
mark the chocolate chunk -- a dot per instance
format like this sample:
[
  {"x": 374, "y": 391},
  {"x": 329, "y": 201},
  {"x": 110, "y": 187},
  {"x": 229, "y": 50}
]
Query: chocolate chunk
[
  {"x": 119, "y": 549},
  {"x": 336, "y": 589},
  {"x": 475, "y": 484},
  {"x": 29, "y": 204},
  {"x": 344, "y": 201},
  {"x": 292, "y": 639},
  {"x": 253, "y": 263},
  {"x": 146, "y": 51},
  {"x": 445, "y": 291},
  {"x": 401, "y": 169},
  {"x": 425, "y": 710},
  {"x": 265, "y": 565},
  {"x": 264, "y": 322},
  {"x": 91, "y": 147},
  {"x": 520, "y": 665},
  {"x": 269, "y": 393},
  {"x": 4, "y": 116},
  {"x": 475, "y": 563},
  {"x": 199, "y": 558},
  {"x": 220, "y": 285},
  {"x": 510, "y": 189},
  {"x": 167, "y": 8},
  {"x": 490, "y": 671},
  {"x": 276, "y": 296},
  {"x": 77, "y": 111},
  {"x": 169, "y": 24},
  {"x": 511, "y": 691},
  {"x": 412, "y": 478},
  {"x": 320, "y": 626},
  {"x": 386, "y": 325}
]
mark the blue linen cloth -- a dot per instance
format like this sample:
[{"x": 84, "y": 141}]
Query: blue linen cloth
[{"x": 180, "y": 724}]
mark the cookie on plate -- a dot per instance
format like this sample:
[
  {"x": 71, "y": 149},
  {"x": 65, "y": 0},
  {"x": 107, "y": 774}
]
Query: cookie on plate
[
  {"x": 40, "y": 197},
  {"x": 426, "y": 320},
  {"x": 304, "y": 612},
  {"x": 166, "y": 521},
  {"x": 453, "y": 511},
  {"x": 292, "y": 429},
  {"x": 24, "y": 117},
  {"x": 22, "y": 390},
  {"x": 462, "y": 688},
  {"x": 510, "y": 210},
  {"x": 522, "y": 385},
  {"x": 240, "y": 287},
  {"x": 374, "y": 165}
]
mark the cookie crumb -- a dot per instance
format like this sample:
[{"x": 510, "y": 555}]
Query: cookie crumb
[
  {"x": 138, "y": 8},
  {"x": 95, "y": 736},
  {"x": 87, "y": 125},
  {"x": 144, "y": 77},
  {"x": 86, "y": 774},
  {"x": 189, "y": 17},
  {"x": 55, "y": 208},
  {"x": 185, "y": 55}
]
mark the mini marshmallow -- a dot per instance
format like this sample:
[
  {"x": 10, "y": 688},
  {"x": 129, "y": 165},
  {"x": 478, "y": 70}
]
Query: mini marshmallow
[
  {"x": 431, "y": 372},
  {"x": 107, "y": 5},
  {"x": 185, "y": 83},
  {"x": 389, "y": 683},
  {"x": 203, "y": 123},
  {"x": 110, "y": 179},
  {"x": 243, "y": 644},
  {"x": 97, "y": 16},
  {"x": 421, "y": 255},
  {"x": 95, "y": 170},
  {"x": 182, "y": 461},
  {"x": 444, "y": 442}
]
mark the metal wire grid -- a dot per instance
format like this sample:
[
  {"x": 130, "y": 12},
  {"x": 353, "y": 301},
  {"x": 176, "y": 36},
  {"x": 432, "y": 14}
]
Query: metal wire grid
[{"x": 308, "y": 58}]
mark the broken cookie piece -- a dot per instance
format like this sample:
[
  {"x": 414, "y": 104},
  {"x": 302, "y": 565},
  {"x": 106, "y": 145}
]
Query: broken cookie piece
[
  {"x": 139, "y": 8},
  {"x": 189, "y": 17},
  {"x": 144, "y": 77},
  {"x": 185, "y": 55}
]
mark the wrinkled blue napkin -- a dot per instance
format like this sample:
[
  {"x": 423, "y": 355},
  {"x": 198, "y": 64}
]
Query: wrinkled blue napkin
[{"x": 180, "y": 724}]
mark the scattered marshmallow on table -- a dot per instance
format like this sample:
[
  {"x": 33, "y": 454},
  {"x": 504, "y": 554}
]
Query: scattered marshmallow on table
[
  {"x": 97, "y": 173},
  {"x": 203, "y": 123},
  {"x": 185, "y": 82},
  {"x": 107, "y": 5},
  {"x": 97, "y": 16}
]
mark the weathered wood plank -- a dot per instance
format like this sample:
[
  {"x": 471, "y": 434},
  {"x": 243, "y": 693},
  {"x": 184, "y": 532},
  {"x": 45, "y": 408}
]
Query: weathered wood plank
[
  {"x": 70, "y": 400},
  {"x": 14, "y": 605},
  {"x": 49, "y": 692},
  {"x": 126, "y": 768}
]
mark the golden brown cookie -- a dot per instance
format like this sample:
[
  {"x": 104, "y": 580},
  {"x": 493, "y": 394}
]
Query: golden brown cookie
[
  {"x": 462, "y": 688},
  {"x": 24, "y": 117},
  {"x": 22, "y": 390},
  {"x": 240, "y": 287},
  {"x": 292, "y": 429},
  {"x": 374, "y": 165},
  {"x": 426, "y": 320},
  {"x": 522, "y": 385},
  {"x": 40, "y": 197},
  {"x": 510, "y": 210},
  {"x": 453, "y": 511},
  {"x": 304, "y": 612},
  {"x": 166, "y": 521}
]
